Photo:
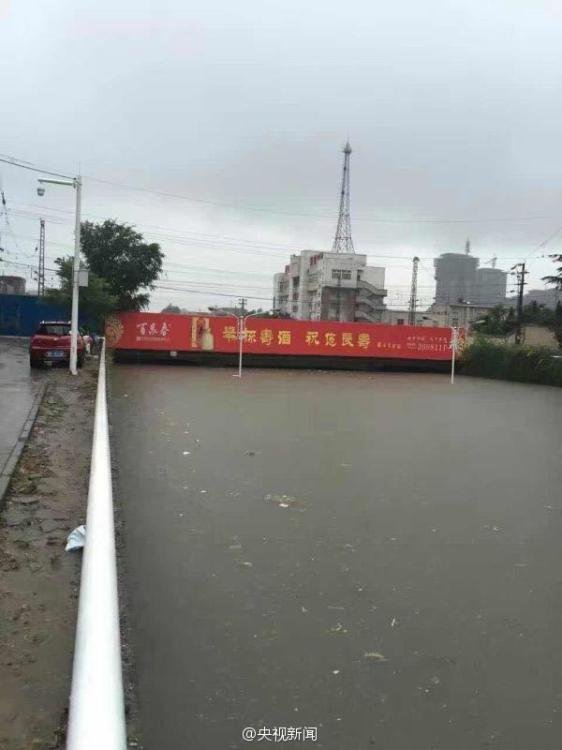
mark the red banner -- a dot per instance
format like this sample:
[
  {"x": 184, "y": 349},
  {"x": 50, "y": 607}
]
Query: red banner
[{"x": 186, "y": 333}]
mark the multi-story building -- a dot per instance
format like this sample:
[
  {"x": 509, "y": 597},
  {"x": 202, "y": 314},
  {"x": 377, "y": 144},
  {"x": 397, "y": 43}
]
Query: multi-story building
[
  {"x": 330, "y": 286},
  {"x": 458, "y": 279},
  {"x": 455, "y": 277},
  {"x": 490, "y": 287},
  {"x": 547, "y": 297},
  {"x": 12, "y": 285}
]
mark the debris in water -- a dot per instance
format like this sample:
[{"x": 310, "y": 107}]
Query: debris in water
[
  {"x": 283, "y": 505},
  {"x": 203, "y": 491},
  {"x": 235, "y": 546},
  {"x": 187, "y": 453},
  {"x": 339, "y": 628},
  {"x": 247, "y": 564},
  {"x": 76, "y": 539},
  {"x": 304, "y": 610},
  {"x": 375, "y": 655},
  {"x": 335, "y": 671},
  {"x": 393, "y": 622}
]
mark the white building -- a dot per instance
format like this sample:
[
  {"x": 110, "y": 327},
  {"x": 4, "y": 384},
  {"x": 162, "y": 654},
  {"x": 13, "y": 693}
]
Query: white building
[
  {"x": 458, "y": 315},
  {"x": 330, "y": 286}
]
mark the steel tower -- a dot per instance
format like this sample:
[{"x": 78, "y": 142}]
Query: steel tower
[
  {"x": 41, "y": 269},
  {"x": 413, "y": 293},
  {"x": 342, "y": 241}
]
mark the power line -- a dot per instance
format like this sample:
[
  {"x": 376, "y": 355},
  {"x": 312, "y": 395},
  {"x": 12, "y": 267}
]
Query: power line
[{"x": 16, "y": 162}]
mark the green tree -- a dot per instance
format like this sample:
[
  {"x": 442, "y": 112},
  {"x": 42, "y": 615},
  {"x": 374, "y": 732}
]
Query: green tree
[
  {"x": 96, "y": 300},
  {"x": 557, "y": 323},
  {"x": 498, "y": 322},
  {"x": 555, "y": 280},
  {"x": 118, "y": 254},
  {"x": 172, "y": 309}
]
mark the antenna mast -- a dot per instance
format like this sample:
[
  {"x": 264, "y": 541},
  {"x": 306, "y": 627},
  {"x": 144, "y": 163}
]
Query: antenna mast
[{"x": 342, "y": 241}]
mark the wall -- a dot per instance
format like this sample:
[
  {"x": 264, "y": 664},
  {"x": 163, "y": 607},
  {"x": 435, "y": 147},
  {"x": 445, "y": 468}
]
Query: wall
[
  {"x": 20, "y": 314},
  {"x": 373, "y": 275}
]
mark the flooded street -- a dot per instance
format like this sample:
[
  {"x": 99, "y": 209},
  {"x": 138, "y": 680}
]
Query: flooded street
[{"x": 375, "y": 555}]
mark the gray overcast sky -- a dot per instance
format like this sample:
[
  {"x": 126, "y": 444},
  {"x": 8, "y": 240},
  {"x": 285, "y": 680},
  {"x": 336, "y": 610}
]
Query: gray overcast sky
[{"x": 453, "y": 110}]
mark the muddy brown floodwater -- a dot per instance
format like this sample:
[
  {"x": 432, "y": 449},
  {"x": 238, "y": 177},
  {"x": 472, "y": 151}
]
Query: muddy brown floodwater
[{"x": 375, "y": 555}]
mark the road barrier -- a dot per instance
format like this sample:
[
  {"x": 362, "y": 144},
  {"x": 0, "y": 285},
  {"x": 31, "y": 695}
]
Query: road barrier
[{"x": 97, "y": 715}]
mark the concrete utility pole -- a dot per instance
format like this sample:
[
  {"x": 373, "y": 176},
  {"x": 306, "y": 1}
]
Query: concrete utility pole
[
  {"x": 242, "y": 302},
  {"x": 519, "y": 271},
  {"x": 413, "y": 293}
]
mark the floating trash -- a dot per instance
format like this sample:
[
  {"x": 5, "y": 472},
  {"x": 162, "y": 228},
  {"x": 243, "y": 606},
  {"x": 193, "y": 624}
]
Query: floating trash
[
  {"x": 375, "y": 656},
  {"x": 76, "y": 539}
]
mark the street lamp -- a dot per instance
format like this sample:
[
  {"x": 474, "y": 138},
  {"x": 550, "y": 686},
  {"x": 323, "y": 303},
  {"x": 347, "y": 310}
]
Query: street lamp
[
  {"x": 241, "y": 326},
  {"x": 75, "y": 183}
]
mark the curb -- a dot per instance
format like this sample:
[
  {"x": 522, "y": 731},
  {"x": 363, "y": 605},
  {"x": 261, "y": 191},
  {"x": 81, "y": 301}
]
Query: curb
[{"x": 14, "y": 457}]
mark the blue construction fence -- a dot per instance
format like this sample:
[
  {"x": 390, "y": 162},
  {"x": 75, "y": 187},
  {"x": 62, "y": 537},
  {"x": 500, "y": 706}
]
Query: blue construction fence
[{"x": 20, "y": 314}]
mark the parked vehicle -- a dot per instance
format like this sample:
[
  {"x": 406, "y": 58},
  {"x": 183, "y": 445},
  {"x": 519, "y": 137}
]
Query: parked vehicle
[{"x": 51, "y": 344}]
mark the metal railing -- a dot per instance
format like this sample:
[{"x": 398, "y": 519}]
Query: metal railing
[{"x": 97, "y": 715}]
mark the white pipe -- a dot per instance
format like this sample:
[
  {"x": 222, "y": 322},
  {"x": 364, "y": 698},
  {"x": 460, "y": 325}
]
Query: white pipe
[{"x": 97, "y": 715}]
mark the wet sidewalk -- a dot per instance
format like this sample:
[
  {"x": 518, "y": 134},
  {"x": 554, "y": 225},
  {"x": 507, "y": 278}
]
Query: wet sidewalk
[{"x": 19, "y": 389}]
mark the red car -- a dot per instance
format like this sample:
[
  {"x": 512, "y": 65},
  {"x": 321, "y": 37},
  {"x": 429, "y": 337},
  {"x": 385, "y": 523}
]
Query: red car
[{"x": 51, "y": 343}]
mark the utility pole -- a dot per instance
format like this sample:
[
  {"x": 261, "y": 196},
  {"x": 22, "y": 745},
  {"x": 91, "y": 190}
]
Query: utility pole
[
  {"x": 519, "y": 271},
  {"x": 413, "y": 293},
  {"x": 242, "y": 302},
  {"x": 41, "y": 268}
]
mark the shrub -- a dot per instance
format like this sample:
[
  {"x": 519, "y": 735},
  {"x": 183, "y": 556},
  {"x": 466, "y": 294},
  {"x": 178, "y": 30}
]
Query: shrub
[{"x": 525, "y": 364}]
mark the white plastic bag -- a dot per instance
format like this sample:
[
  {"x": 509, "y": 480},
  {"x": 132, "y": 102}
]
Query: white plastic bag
[{"x": 76, "y": 539}]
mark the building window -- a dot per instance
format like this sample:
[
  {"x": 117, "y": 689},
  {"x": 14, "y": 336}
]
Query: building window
[
  {"x": 400, "y": 321},
  {"x": 341, "y": 274}
]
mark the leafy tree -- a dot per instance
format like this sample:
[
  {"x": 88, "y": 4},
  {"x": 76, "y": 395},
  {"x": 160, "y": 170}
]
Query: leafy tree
[
  {"x": 557, "y": 323},
  {"x": 118, "y": 254},
  {"x": 172, "y": 309},
  {"x": 498, "y": 322},
  {"x": 96, "y": 300},
  {"x": 555, "y": 280}
]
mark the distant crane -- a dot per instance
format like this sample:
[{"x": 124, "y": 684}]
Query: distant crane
[{"x": 492, "y": 262}]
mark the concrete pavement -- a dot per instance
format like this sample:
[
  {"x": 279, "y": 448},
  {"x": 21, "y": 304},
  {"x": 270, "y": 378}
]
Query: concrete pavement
[{"x": 20, "y": 389}]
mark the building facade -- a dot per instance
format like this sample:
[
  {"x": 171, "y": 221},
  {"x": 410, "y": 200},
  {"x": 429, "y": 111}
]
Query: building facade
[
  {"x": 490, "y": 287},
  {"x": 458, "y": 279},
  {"x": 12, "y": 285},
  {"x": 455, "y": 277},
  {"x": 458, "y": 315},
  {"x": 330, "y": 286}
]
